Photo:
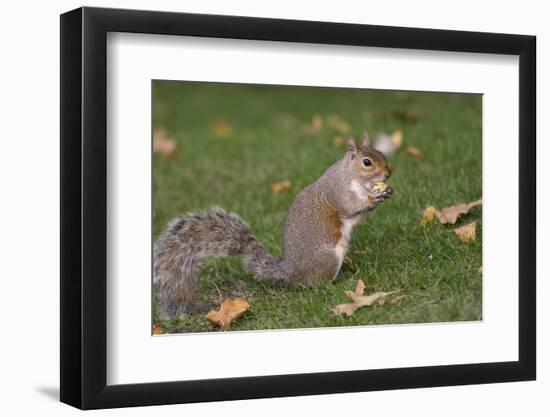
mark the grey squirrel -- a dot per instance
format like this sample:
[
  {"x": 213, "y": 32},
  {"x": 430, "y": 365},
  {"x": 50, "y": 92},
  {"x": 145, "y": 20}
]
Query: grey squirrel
[{"x": 317, "y": 230}]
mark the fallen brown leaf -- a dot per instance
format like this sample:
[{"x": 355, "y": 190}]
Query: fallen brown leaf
[
  {"x": 430, "y": 213},
  {"x": 315, "y": 126},
  {"x": 359, "y": 290},
  {"x": 382, "y": 301},
  {"x": 359, "y": 300},
  {"x": 229, "y": 311},
  {"x": 339, "y": 140},
  {"x": 164, "y": 145},
  {"x": 396, "y": 299},
  {"x": 397, "y": 138},
  {"x": 402, "y": 115},
  {"x": 450, "y": 215},
  {"x": 157, "y": 329},
  {"x": 414, "y": 152},
  {"x": 466, "y": 233},
  {"x": 405, "y": 115},
  {"x": 221, "y": 128},
  {"x": 360, "y": 287},
  {"x": 337, "y": 123},
  {"x": 278, "y": 187}
]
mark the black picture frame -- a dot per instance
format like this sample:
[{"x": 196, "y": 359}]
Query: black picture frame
[{"x": 84, "y": 207}]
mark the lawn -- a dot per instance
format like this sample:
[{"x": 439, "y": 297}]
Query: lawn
[{"x": 235, "y": 141}]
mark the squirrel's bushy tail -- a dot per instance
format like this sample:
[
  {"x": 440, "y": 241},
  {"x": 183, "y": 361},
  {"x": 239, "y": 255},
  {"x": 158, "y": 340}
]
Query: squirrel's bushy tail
[{"x": 193, "y": 237}]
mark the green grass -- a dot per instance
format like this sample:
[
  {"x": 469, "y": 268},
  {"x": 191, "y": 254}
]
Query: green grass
[{"x": 389, "y": 250}]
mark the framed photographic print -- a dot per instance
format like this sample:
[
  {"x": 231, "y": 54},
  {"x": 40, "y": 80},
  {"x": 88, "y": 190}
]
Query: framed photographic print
[{"x": 258, "y": 207}]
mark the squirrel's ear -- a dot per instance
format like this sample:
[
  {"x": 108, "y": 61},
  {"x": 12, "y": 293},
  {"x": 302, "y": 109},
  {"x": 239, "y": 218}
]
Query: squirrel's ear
[
  {"x": 366, "y": 140},
  {"x": 352, "y": 147}
]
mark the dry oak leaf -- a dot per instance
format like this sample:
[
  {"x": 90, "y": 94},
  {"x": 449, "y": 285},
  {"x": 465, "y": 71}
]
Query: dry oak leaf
[
  {"x": 230, "y": 310},
  {"x": 359, "y": 300},
  {"x": 360, "y": 287},
  {"x": 430, "y": 213},
  {"x": 164, "y": 145},
  {"x": 221, "y": 128},
  {"x": 449, "y": 215},
  {"x": 157, "y": 329},
  {"x": 467, "y": 233},
  {"x": 278, "y": 187},
  {"x": 414, "y": 152}
]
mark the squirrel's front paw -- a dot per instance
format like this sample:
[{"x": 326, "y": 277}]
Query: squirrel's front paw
[{"x": 381, "y": 191}]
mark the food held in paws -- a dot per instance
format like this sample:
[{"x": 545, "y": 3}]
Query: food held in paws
[{"x": 379, "y": 186}]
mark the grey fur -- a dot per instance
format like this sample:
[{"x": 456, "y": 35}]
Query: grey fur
[{"x": 312, "y": 229}]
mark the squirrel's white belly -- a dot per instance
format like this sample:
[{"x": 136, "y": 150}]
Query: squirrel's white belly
[
  {"x": 342, "y": 245},
  {"x": 348, "y": 224}
]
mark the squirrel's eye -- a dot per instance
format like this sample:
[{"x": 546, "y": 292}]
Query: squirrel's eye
[{"x": 367, "y": 162}]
